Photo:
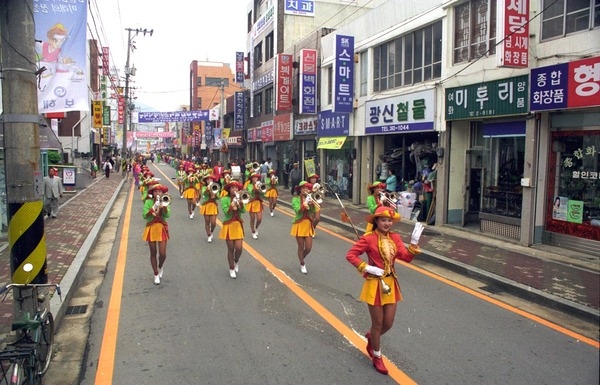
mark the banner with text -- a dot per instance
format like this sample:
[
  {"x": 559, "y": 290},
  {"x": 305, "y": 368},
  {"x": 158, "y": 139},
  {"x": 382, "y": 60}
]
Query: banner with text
[{"x": 60, "y": 35}]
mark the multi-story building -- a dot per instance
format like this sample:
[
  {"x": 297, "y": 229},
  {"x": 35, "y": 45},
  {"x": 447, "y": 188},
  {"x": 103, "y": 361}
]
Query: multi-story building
[
  {"x": 211, "y": 83},
  {"x": 510, "y": 119}
]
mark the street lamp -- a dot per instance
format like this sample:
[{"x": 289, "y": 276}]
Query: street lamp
[{"x": 129, "y": 72}]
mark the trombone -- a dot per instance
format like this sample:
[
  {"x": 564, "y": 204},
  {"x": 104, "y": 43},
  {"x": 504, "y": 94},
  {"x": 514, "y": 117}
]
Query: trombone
[
  {"x": 260, "y": 186},
  {"x": 316, "y": 201},
  {"x": 389, "y": 199},
  {"x": 214, "y": 187}
]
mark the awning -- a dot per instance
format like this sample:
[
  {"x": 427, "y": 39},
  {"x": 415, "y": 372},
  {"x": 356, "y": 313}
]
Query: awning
[{"x": 331, "y": 143}]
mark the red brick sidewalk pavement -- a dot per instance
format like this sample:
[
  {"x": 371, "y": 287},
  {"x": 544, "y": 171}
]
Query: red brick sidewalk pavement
[{"x": 65, "y": 236}]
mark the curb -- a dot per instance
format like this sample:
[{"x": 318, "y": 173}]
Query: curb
[{"x": 71, "y": 278}]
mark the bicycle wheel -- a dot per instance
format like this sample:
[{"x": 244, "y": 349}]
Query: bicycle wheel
[{"x": 45, "y": 344}]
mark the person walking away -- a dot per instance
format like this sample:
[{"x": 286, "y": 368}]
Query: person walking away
[
  {"x": 264, "y": 169},
  {"x": 232, "y": 230},
  {"x": 107, "y": 167},
  {"x": 381, "y": 290},
  {"x": 272, "y": 194},
  {"x": 156, "y": 212},
  {"x": 295, "y": 177},
  {"x": 53, "y": 190},
  {"x": 302, "y": 229},
  {"x": 94, "y": 168}
]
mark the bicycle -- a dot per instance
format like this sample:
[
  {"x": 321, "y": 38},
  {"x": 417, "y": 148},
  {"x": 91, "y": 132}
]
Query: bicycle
[{"x": 27, "y": 359}]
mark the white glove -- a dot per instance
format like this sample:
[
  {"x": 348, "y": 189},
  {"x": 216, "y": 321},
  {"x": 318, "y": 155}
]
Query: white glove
[
  {"x": 156, "y": 206},
  {"x": 374, "y": 270},
  {"x": 416, "y": 234}
]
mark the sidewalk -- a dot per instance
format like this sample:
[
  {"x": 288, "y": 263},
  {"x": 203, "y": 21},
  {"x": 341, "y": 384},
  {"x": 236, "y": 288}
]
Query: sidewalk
[
  {"x": 542, "y": 274},
  {"x": 566, "y": 280},
  {"x": 69, "y": 238}
]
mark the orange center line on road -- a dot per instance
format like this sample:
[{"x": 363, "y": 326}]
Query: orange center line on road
[{"x": 106, "y": 359}]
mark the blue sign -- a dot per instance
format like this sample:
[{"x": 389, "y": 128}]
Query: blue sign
[
  {"x": 333, "y": 124},
  {"x": 175, "y": 116},
  {"x": 300, "y": 7},
  {"x": 343, "y": 92},
  {"x": 549, "y": 87}
]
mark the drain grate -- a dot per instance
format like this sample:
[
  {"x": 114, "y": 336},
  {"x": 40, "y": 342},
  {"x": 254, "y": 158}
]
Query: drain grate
[
  {"x": 492, "y": 289},
  {"x": 73, "y": 310}
]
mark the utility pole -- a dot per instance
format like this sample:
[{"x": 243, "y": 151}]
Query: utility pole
[
  {"x": 129, "y": 72},
  {"x": 24, "y": 184},
  {"x": 223, "y": 155}
]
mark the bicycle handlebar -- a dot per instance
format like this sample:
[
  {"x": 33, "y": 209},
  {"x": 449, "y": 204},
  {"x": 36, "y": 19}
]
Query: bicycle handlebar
[{"x": 26, "y": 285}]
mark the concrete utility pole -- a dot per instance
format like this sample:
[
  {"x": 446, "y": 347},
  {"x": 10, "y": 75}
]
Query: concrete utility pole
[
  {"x": 24, "y": 182},
  {"x": 129, "y": 72}
]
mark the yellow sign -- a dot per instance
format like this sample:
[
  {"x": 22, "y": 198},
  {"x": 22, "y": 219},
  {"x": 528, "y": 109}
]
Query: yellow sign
[
  {"x": 331, "y": 143},
  {"x": 225, "y": 133},
  {"x": 97, "y": 113},
  {"x": 309, "y": 167}
]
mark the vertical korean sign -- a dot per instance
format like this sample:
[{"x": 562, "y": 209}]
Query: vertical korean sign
[
  {"x": 60, "y": 35},
  {"x": 343, "y": 92},
  {"x": 283, "y": 96},
  {"x": 239, "y": 112},
  {"x": 239, "y": 67},
  {"x": 513, "y": 33},
  {"x": 308, "y": 81}
]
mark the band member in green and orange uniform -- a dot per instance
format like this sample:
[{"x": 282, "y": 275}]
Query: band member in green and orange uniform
[
  {"x": 381, "y": 291},
  {"x": 374, "y": 200},
  {"x": 305, "y": 208},
  {"x": 181, "y": 175},
  {"x": 208, "y": 204},
  {"x": 232, "y": 230},
  {"x": 224, "y": 181},
  {"x": 156, "y": 211},
  {"x": 272, "y": 194},
  {"x": 190, "y": 191},
  {"x": 255, "y": 206}
]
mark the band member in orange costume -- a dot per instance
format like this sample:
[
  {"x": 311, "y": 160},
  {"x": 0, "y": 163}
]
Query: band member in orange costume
[
  {"x": 232, "y": 230},
  {"x": 156, "y": 211}
]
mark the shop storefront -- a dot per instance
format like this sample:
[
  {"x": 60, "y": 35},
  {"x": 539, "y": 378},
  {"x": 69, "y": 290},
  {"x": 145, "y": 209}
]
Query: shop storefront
[
  {"x": 337, "y": 151},
  {"x": 570, "y": 94},
  {"x": 493, "y": 153},
  {"x": 305, "y": 132}
]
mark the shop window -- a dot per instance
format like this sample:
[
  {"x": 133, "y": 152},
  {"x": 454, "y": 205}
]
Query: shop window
[
  {"x": 573, "y": 200},
  {"x": 501, "y": 173}
]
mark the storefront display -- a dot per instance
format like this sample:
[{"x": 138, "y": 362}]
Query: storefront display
[{"x": 573, "y": 199}]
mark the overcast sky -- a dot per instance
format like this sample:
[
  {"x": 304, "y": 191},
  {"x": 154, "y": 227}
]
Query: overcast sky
[{"x": 183, "y": 30}]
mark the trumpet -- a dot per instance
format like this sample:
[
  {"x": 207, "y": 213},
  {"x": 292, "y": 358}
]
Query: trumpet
[
  {"x": 214, "y": 187},
  {"x": 255, "y": 167},
  {"x": 310, "y": 199},
  {"x": 388, "y": 199},
  {"x": 165, "y": 200},
  {"x": 317, "y": 187},
  {"x": 244, "y": 197},
  {"x": 318, "y": 197},
  {"x": 261, "y": 186}
]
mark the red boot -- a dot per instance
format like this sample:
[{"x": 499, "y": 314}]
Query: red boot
[
  {"x": 379, "y": 366},
  {"x": 369, "y": 347}
]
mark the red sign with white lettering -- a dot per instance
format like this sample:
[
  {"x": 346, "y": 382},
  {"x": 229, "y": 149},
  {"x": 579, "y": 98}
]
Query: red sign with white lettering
[
  {"x": 283, "y": 96},
  {"x": 514, "y": 30}
]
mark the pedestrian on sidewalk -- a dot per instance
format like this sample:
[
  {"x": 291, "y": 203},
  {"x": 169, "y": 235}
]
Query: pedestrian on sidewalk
[
  {"x": 107, "y": 167},
  {"x": 94, "y": 168},
  {"x": 305, "y": 208},
  {"x": 155, "y": 212},
  {"x": 381, "y": 290},
  {"x": 53, "y": 190},
  {"x": 295, "y": 177},
  {"x": 232, "y": 230}
]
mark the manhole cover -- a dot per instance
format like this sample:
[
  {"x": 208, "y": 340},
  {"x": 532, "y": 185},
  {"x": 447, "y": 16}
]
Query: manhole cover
[{"x": 73, "y": 310}]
